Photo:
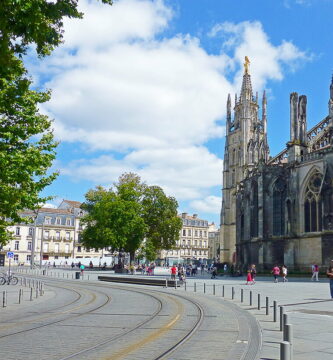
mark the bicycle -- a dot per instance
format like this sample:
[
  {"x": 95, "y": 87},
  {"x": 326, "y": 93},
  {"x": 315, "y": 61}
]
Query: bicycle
[{"x": 8, "y": 279}]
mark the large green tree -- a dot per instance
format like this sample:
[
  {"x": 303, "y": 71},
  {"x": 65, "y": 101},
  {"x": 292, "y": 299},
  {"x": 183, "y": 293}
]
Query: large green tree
[
  {"x": 27, "y": 146},
  {"x": 131, "y": 216}
]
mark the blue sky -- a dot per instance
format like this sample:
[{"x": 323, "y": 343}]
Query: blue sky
[{"x": 142, "y": 86}]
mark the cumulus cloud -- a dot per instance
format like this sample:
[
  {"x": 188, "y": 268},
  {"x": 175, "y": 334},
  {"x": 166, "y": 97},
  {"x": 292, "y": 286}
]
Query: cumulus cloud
[
  {"x": 186, "y": 172},
  {"x": 209, "y": 205},
  {"x": 120, "y": 85}
]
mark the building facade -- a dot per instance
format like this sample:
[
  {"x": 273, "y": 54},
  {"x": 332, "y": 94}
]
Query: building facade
[
  {"x": 277, "y": 210},
  {"x": 52, "y": 235},
  {"x": 193, "y": 241},
  {"x": 214, "y": 244}
]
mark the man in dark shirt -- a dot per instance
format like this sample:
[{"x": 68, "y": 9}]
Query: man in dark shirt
[{"x": 329, "y": 274}]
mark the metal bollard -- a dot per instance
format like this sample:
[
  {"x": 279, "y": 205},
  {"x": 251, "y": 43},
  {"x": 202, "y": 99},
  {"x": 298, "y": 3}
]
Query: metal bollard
[
  {"x": 267, "y": 305},
  {"x": 204, "y": 288},
  {"x": 36, "y": 293},
  {"x": 30, "y": 294},
  {"x": 281, "y": 317},
  {"x": 166, "y": 283},
  {"x": 288, "y": 333},
  {"x": 242, "y": 295},
  {"x": 285, "y": 320},
  {"x": 285, "y": 350},
  {"x": 275, "y": 311},
  {"x": 175, "y": 284},
  {"x": 214, "y": 289},
  {"x": 259, "y": 304},
  {"x": 195, "y": 287},
  {"x": 72, "y": 276},
  {"x": 185, "y": 285},
  {"x": 67, "y": 275},
  {"x": 222, "y": 290},
  {"x": 21, "y": 281},
  {"x": 88, "y": 277},
  {"x": 232, "y": 293},
  {"x": 19, "y": 300},
  {"x": 4, "y": 296},
  {"x": 250, "y": 297}
]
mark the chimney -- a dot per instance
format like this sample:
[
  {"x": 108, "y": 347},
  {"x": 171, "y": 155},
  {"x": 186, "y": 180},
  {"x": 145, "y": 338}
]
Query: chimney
[
  {"x": 195, "y": 216},
  {"x": 184, "y": 215}
]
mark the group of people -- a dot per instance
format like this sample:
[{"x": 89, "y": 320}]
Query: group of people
[{"x": 251, "y": 275}]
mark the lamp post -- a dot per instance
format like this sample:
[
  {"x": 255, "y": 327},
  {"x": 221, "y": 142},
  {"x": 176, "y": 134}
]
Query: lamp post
[{"x": 32, "y": 258}]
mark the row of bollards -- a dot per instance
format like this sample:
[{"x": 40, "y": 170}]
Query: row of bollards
[{"x": 286, "y": 351}]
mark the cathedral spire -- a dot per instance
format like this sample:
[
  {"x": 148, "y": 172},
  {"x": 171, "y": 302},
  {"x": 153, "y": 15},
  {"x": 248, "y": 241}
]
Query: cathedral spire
[
  {"x": 246, "y": 92},
  {"x": 228, "y": 113},
  {"x": 330, "y": 102},
  {"x": 331, "y": 89},
  {"x": 264, "y": 112}
]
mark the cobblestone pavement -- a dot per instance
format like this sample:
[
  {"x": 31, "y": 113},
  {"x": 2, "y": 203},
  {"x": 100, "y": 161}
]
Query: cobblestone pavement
[{"x": 122, "y": 322}]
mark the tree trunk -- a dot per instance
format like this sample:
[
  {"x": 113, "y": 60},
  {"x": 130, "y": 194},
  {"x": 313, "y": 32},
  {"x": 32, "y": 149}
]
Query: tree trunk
[{"x": 132, "y": 257}]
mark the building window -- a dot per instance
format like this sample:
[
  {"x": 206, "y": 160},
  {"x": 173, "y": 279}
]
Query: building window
[
  {"x": 205, "y": 233},
  {"x": 79, "y": 249},
  {"x": 58, "y": 235},
  {"x": 200, "y": 233},
  {"x": 184, "y": 232},
  {"x": 17, "y": 245},
  {"x": 31, "y": 231},
  {"x": 189, "y": 242},
  {"x": 58, "y": 221},
  {"x": 46, "y": 247},
  {"x": 312, "y": 204},
  {"x": 17, "y": 231},
  {"x": 28, "y": 257},
  {"x": 196, "y": 233},
  {"x": 29, "y": 245},
  {"x": 56, "y": 248},
  {"x": 46, "y": 234},
  {"x": 67, "y": 235},
  {"x": 279, "y": 199},
  {"x": 200, "y": 244},
  {"x": 254, "y": 210},
  {"x": 15, "y": 258},
  {"x": 196, "y": 242},
  {"x": 56, "y": 257},
  {"x": 205, "y": 243},
  {"x": 67, "y": 248},
  {"x": 68, "y": 221},
  {"x": 189, "y": 232},
  {"x": 47, "y": 220}
]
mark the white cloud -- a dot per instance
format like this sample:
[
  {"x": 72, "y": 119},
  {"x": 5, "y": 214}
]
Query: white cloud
[
  {"x": 210, "y": 204},
  {"x": 186, "y": 173},
  {"x": 119, "y": 85},
  {"x": 268, "y": 61}
]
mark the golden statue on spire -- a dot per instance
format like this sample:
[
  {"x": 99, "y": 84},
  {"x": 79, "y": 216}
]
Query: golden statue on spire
[{"x": 246, "y": 65}]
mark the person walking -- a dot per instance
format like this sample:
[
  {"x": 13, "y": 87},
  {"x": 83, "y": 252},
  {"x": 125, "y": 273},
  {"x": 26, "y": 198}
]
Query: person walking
[
  {"x": 276, "y": 273},
  {"x": 82, "y": 268},
  {"x": 329, "y": 274},
  {"x": 315, "y": 272},
  {"x": 284, "y": 273},
  {"x": 214, "y": 272},
  {"x": 249, "y": 278},
  {"x": 173, "y": 272},
  {"x": 253, "y": 271}
]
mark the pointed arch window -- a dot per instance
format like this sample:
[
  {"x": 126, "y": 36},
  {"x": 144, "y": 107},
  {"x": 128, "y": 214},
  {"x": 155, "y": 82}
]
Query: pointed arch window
[
  {"x": 279, "y": 199},
  {"x": 312, "y": 204},
  {"x": 254, "y": 210}
]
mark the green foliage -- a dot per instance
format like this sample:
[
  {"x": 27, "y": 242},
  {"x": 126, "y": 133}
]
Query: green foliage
[
  {"x": 122, "y": 217},
  {"x": 27, "y": 146}
]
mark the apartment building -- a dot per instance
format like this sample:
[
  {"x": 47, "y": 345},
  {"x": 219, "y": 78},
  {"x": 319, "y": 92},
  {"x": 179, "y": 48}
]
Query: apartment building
[{"x": 193, "y": 241}]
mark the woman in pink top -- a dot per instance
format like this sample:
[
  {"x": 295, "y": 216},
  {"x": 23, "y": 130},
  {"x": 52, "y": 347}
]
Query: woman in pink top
[{"x": 276, "y": 273}]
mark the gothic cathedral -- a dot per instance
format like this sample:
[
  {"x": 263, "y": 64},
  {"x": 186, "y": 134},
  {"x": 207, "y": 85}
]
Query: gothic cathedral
[{"x": 276, "y": 210}]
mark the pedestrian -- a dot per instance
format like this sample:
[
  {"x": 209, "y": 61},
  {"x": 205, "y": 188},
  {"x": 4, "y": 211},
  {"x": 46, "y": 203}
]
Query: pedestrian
[
  {"x": 72, "y": 265},
  {"x": 249, "y": 278},
  {"x": 214, "y": 272},
  {"x": 329, "y": 274},
  {"x": 174, "y": 272},
  {"x": 253, "y": 271},
  {"x": 284, "y": 273},
  {"x": 82, "y": 267},
  {"x": 276, "y": 273},
  {"x": 315, "y": 272}
]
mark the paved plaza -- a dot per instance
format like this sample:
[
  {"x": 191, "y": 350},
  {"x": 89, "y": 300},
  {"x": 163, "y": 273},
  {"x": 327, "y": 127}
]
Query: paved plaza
[{"x": 75, "y": 315}]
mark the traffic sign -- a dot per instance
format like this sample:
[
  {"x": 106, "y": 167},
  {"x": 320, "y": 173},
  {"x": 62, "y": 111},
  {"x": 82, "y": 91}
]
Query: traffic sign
[{"x": 10, "y": 254}]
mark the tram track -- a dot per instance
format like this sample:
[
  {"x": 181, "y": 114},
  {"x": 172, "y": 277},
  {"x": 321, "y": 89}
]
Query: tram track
[{"x": 93, "y": 298}]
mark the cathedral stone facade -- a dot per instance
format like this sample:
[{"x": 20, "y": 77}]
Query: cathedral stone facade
[{"x": 277, "y": 210}]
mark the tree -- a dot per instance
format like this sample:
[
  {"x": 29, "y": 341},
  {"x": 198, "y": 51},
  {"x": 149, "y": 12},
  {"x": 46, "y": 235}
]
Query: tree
[
  {"x": 131, "y": 216},
  {"x": 27, "y": 146}
]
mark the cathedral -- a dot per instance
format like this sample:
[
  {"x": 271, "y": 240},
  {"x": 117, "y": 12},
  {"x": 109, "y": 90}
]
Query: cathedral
[{"x": 276, "y": 210}]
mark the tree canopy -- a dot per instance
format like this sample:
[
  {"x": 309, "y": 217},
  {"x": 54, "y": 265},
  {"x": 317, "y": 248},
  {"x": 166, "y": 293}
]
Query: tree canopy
[
  {"x": 130, "y": 216},
  {"x": 27, "y": 146}
]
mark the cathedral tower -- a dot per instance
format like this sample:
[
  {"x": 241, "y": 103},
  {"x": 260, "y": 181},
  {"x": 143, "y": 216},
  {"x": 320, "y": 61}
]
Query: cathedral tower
[
  {"x": 245, "y": 146},
  {"x": 330, "y": 102}
]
